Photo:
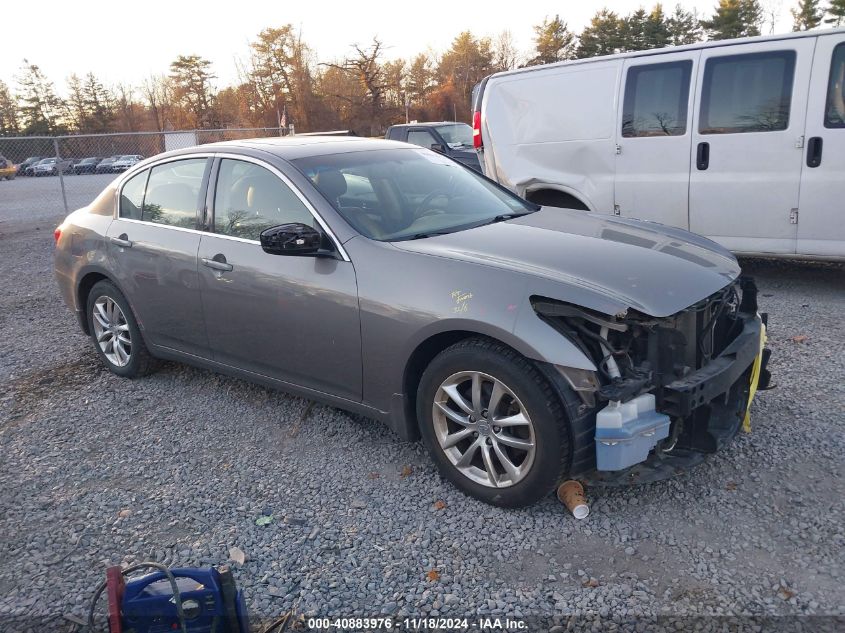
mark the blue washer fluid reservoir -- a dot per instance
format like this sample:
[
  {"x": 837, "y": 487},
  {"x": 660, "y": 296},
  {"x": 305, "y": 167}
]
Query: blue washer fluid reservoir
[{"x": 627, "y": 431}]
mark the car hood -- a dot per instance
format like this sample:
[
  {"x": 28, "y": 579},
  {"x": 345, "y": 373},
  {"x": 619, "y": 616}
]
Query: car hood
[{"x": 622, "y": 264}]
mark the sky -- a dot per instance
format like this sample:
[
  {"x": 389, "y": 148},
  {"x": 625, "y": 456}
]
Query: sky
[{"x": 125, "y": 42}]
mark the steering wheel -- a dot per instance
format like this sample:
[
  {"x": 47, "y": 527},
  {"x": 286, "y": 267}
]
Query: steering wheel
[{"x": 437, "y": 193}]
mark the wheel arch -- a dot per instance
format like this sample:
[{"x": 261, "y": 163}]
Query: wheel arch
[
  {"x": 554, "y": 196},
  {"x": 529, "y": 347},
  {"x": 87, "y": 281}
]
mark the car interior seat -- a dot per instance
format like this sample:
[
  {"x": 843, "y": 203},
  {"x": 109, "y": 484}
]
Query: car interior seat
[{"x": 332, "y": 184}]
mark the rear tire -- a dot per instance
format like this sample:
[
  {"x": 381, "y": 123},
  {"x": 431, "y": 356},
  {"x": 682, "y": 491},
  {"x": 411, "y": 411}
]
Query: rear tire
[
  {"x": 461, "y": 432},
  {"x": 115, "y": 332}
]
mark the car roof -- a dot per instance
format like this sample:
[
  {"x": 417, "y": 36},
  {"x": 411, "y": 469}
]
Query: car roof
[
  {"x": 430, "y": 124},
  {"x": 293, "y": 147}
]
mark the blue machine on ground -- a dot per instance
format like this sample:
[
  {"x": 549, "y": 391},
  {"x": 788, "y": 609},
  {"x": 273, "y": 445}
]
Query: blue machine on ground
[{"x": 189, "y": 600}]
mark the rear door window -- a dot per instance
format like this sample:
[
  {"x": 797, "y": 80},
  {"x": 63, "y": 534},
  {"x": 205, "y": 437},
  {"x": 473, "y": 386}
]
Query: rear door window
[
  {"x": 173, "y": 193},
  {"x": 747, "y": 93},
  {"x": 132, "y": 196},
  {"x": 834, "y": 112},
  {"x": 656, "y": 97}
]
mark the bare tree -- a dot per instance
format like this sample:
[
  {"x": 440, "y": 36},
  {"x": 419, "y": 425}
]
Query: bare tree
[
  {"x": 505, "y": 54},
  {"x": 367, "y": 69}
]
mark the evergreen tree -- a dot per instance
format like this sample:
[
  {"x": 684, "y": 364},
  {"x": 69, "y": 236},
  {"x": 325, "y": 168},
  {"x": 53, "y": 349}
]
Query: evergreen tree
[
  {"x": 632, "y": 31},
  {"x": 467, "y": 62},
  {"x": 420, "y": 76},
  {"x": 99, "y": 104},
  {"x": 734, "y": 18},
  {"x": 807, "y": 16},
  {"x": 9, "y": 124},
  {"x": 192, "y": 77},
  {"x": 553, "y": 42},
  {"x": 77, "y": 111},
  {"x": 656, "y": 32},
  {"x": 603, "y": 36},
  {"x": 684, "y": 27},
  {"x": 40, "y": 107},
  {"x": 836, "y": 13}
]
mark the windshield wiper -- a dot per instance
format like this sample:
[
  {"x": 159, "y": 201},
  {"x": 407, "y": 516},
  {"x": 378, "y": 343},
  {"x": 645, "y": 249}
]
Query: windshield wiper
[
  {"x": 504, "y": 216},
  {"x": 419, "y": 236},
  {"x": 499, "y": 218}
]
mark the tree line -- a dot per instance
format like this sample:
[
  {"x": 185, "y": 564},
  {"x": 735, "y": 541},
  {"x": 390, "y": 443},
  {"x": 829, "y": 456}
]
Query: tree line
[{"x": 281, "y": 77}]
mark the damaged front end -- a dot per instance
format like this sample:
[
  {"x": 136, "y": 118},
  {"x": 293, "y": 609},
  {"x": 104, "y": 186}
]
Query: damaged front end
[{"x": 668, "y": 391}]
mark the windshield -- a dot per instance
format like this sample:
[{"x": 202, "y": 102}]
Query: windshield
[
  {"x": 456, "y": 135},
  {"x": 398, "y": 194}
]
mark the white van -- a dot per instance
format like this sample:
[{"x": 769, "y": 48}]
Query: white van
[{"x": 741, "y": 140}]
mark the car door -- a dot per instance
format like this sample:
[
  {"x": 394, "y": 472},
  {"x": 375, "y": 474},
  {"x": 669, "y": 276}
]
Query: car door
[
  {"x": 821, "y": 211},
  {"x": 654, "y": 138},
  {"x": 292, "y": 318},
  {"x": 747, "y": 144},
  {"x": 153, "y": 245}
]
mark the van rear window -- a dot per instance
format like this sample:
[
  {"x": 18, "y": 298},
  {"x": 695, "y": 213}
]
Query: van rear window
[{"x": 834, "y": 112}]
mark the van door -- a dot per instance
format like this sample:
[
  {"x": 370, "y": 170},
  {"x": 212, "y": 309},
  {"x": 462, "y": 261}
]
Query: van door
[
  {"x": 748, "y": 144},
  {"x": 821, "y": 212},
  {"x": 654, "y": 137}
]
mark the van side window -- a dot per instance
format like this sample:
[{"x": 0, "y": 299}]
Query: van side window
[
  {"x": 834, "y": 112},
  {"x": 132, "y": 195},
  {"x": 656, "y": 97},
  {"x": 747, "y": 93}
]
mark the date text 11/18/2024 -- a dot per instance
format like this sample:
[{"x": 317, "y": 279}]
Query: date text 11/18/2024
[{"x": 416, "y": 624}]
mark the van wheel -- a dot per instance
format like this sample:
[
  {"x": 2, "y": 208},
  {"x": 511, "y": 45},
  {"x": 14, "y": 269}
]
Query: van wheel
[
  {"x": 114, "y": 330},
  {"x": 492, "y": 423}
]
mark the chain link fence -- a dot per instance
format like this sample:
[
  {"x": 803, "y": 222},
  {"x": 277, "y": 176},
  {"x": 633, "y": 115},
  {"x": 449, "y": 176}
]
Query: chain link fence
[{"x": 43, "y": 176}]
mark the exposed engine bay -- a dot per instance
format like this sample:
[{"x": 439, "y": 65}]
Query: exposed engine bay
[{"x": 667, "y": 391}]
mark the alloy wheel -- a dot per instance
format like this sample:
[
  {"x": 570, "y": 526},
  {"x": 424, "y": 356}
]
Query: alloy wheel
[
  {"x": 483, "y": 429},
  {"x": 112, "y": 331}
]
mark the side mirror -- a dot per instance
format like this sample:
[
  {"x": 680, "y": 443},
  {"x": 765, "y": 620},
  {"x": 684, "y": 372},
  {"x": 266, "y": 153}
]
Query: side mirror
[
  {"x": 292, "y": 239},
  {"x": 437, "y": 147}
]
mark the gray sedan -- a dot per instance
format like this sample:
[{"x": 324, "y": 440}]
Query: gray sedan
[{"x": 525, "y": 345}]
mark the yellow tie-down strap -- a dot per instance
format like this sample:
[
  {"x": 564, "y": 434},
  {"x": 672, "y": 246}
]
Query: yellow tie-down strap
[{"x": 755, "y": 379}]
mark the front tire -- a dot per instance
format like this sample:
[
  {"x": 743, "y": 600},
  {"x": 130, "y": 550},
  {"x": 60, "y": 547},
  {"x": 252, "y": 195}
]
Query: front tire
[
  {"x": 492, "y": 423},
  {"x": 115, "y": 332}
]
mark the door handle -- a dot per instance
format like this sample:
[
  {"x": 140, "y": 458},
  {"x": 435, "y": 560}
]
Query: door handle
[
  {"x": 814, "y": 151},
  {"x": 218, "y": 262},
  {"x": 702, "y": 156},
  {"x": 122, "y": 241}
]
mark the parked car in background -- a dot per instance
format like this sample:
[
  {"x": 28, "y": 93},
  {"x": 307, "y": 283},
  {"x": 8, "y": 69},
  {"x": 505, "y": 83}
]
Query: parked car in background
[
  {"x": 42, "y": 168},
  {"x": 25, "y": 165},
  {"x": 452, "y": 139},
  {"x": 8, "y": 171},
  {"x": 86, "y": 165},
  {"x": 742, "y": 141},
  {"x": 125, "y": 162},
  {"x": 105, "y": 165},
  {"x": 52, "y": 166},
  {"x": 526, "y": 345}
]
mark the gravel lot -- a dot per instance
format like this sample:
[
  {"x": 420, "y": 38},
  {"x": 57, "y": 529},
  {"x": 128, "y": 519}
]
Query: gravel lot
[{"x": 177, "y": 467}]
